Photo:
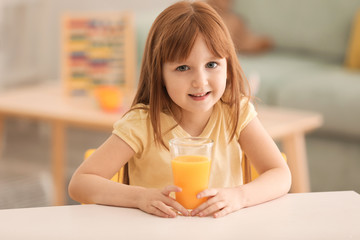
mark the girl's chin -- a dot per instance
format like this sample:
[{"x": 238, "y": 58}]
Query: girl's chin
[{"x": 199, "y": 109}]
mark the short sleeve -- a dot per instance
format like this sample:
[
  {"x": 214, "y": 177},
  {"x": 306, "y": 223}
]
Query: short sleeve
[
  {"x": 247, "y": 113},
  {"x": 133, "y": 129}
]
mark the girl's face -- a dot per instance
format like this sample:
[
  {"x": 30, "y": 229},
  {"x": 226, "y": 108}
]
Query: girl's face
[{"x": 198, "y": 82}]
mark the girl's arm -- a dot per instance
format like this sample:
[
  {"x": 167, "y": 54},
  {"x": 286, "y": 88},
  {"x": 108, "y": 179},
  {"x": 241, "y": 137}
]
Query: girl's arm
[
  {"x": 273, "y": 182},
  {"x": 275, "y": 177},
  {"x": 90, "y": 183}
]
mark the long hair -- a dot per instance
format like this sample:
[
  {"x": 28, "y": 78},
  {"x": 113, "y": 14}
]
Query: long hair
[{"x": 171, "y": 38}]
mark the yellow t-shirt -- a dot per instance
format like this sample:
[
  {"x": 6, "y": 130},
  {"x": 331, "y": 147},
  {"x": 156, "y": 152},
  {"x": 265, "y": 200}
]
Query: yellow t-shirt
[{"x": 150, "y": 166}]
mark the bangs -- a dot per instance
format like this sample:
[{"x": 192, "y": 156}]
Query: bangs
[
  {"x": 178, "y": 41},
  {"x": 179, "y": 45}
]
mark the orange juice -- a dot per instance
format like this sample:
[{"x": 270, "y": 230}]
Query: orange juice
[{"x": 191, "y": 173}]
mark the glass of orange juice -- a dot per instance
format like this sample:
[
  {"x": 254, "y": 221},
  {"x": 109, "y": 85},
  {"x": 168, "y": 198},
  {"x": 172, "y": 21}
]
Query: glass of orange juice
[{"x": 191, "y": 161}]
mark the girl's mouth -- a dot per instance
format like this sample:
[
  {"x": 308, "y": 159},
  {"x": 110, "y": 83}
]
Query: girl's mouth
[{"x": 199, "y": 96}]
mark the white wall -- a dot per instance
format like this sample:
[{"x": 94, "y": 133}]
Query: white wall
[{"x": 21, "y": 21}]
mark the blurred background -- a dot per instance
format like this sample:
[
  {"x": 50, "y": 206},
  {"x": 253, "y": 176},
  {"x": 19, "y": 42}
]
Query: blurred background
[{"x": 297, "y": 54}]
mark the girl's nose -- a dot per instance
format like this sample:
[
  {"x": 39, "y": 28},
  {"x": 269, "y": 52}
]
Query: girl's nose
[{"x": 199, "y": 79}]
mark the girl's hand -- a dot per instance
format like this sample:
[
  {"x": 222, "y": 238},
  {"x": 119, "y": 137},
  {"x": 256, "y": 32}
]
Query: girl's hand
[
  {"x": 221, "y": 202},
  {"x": 160, "y": 203}
]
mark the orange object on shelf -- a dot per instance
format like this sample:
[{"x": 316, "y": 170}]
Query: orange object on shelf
[{"x": 109, "y": 98}]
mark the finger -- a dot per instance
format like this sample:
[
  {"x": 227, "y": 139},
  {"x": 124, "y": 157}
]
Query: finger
[
  {"x": 223, "y": 212},
  {"x": 155, "y": 211},
  {"x": 206, "y": 204},
  {"x": 168, "y": 189},
  {"x": 213, "y": 208},
  {"x": 207, "y": 193},
  {"x": 164, "y": 209},
  {"x": 177, "y": 206}
]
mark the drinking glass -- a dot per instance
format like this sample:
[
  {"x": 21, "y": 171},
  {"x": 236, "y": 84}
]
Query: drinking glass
[{"x": 191, "y": 161}]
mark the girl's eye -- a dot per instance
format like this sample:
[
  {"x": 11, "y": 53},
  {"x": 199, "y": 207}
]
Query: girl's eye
[
  {"x": 182, "y": 68},
  {"x": 211, "y": 65}
]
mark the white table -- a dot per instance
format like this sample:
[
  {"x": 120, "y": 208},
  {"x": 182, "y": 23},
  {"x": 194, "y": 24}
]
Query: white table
[{"x": 328, "y": 215}]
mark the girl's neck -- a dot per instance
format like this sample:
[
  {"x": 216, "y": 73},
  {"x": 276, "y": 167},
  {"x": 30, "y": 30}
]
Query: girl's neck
[{"x": 193, "y": 123}]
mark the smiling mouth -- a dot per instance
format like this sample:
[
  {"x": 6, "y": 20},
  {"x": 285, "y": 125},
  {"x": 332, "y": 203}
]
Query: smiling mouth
[{"x": 199, "y": 94}]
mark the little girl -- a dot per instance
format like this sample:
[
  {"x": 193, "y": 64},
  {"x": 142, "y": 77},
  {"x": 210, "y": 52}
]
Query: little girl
[{"x": 191, "y": 84}]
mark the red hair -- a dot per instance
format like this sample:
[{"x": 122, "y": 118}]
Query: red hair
[{"x": 171, "y": 38}]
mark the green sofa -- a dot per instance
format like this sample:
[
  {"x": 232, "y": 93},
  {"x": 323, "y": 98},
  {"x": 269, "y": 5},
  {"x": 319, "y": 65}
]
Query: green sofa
[{"x": 305, "y": 70}]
